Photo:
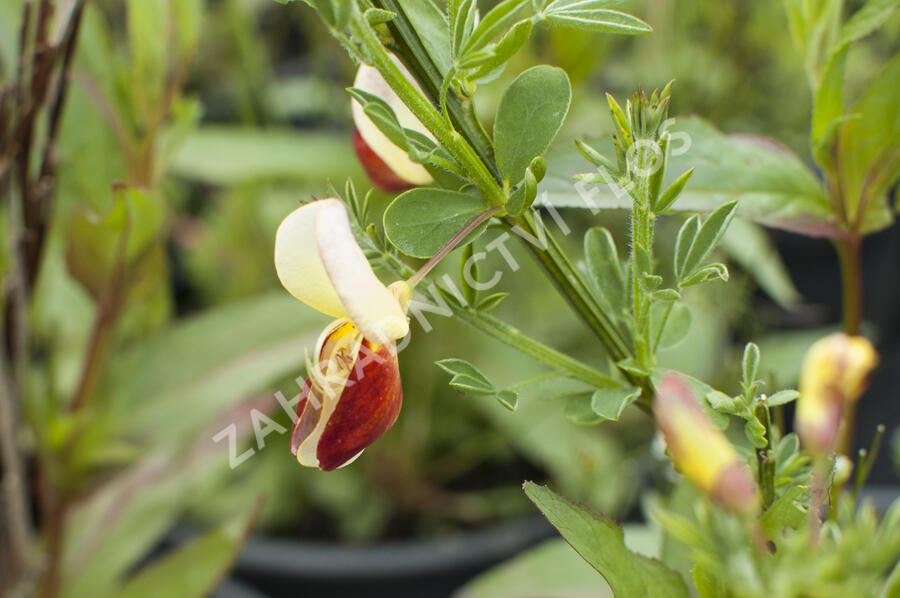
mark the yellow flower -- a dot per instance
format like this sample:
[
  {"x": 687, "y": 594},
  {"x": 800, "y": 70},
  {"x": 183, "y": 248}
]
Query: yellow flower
[
  {"x": 387, "y": 165},
  {"x": 699, "y": 449},
  {"x": 353, "y": 394},
  {"x": 834, "y": 374}
]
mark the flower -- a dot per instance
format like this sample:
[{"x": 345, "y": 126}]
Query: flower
[
  {"x": 834, "y": 374},
  {"x": 387, "y": 165},
  {"x": 700, "y": 450},
  {"x": 353, "y": 394}
]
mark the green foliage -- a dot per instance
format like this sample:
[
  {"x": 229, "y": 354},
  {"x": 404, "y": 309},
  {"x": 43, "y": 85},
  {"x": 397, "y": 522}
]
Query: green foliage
[
  {"x": 550, "y": 569},
  {"x": 467, "y": 378},
  {"x": 120, "y": 251},
  {"x": 193, "y": 570},
  {"x": 869, "y": 150},
  {"x": 600, "y": 542},
  {"x": 609, "y": 403},
  {"x": 421, "y": 221},
  {"x": 540, "y": 98},
  {"x": 605, "y": 269},
  {"x": 593, "y": 16}
]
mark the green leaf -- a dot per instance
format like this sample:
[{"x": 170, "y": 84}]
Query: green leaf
[
  {"x": 432, "y": 28},
  {"x": 750, "y": 364},
  {"x": 707, "y": 238},
  {"x": 891, "y": 587},
  {"x": 211, "y": 361},
  {"x": 756, "y": 433},
  {"x": 720, "y": 401},
  {"x": 707, "y": 273},
  {"x": 508, "y": 398},
  {"x": 750, "y": 246},
  {"x": 378, "y": 16},
  {"x": 466, "y": 377},
  {"x": 788, "y": 512},
  {"x": 782, "y": 397},
  {"x": 147, "y": 50},
  {"x": 869, "y": 151},
  {"x": 707, "y": 585},
  {"x": 864, "y": 21},
  {"x": 491, "y": 301},
  {"x": 597, "y": 20},
  {"x": 122, "y": 247},
  {"x": 463, "y": 18},
  {"x": 550, "y": 569},
  {"x": 609, "y": 403},
  {"x": 381, "y": 115},
  {"x": 668, "y": 197},
  {"x": 600, "y": 541},
  {"x": 686, "y": 235},
  {"x": 605, "y": 269},
  {"x": 530, "y": 114},
  {"x": 421, "y": 221},
  {"x": 193, "y": 570},
  {"x": 578, "y": 410},
  {"x": 772, "y": 185},
  {"x": 669, "y": 323},
  {"x": 828, "y": 107},
  {"x": 524, "y": 195},
  {"x": 499, "y": 53},
  {"x": 219, "y": 155},
  {"x": 498, "y": 19}
]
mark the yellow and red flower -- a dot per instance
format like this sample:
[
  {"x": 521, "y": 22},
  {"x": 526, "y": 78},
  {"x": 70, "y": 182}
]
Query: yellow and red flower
[
  {"x": 388, "y": 166},
  {"x": 353, "y": 394},
  {"x": 834, "y": 376},
  {"x": 700, "y": 450}
]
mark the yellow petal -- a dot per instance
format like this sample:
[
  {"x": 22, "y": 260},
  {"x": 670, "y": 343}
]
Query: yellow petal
[
  {"x": 834, "y": 373},
  {"x": 373, "y": 308},
  {"x": 298, "y": 263},
  {"x": 369, "y": 79}
]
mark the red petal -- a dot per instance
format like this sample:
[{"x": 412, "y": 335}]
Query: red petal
[
  {"x": 368, "y": 407},
  {"x": 378, "y": 172}
]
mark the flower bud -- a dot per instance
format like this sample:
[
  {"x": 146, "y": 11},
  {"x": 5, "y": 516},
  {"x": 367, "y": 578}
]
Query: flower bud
[
  {"x": 834, "y": 375},
  {"x": 387, "y": 165},
  {"x": 700, "y": 450}
]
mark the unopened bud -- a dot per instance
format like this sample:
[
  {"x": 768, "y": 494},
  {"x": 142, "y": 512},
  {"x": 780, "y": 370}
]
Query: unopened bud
[
  {"x": 834, "y": 374},
  {"x": 700, "y": 450}
]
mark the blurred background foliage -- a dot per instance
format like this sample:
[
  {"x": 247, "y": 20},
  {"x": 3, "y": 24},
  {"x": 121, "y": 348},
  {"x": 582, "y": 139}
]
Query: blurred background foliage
[{"x": 239, "y": 112}]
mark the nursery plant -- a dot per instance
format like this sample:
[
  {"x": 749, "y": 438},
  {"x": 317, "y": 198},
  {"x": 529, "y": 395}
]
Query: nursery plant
[
  {"x": 124, "y": 405},
  {"x": 754, "y": 508}
]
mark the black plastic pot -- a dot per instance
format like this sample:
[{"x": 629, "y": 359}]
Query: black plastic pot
[{"x": 403, "y": 569}]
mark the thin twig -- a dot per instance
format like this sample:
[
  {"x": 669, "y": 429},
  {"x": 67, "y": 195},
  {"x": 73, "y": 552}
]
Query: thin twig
[{"x": 16, "y": 513}]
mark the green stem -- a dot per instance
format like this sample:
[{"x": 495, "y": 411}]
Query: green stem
[
  {"x": 850, "y": 255},
  {"x": 427, "y": 114},
  {"x": 571, "y": 285},
  {"x": 765, "y": 462},
  {"x": 415, "y": 56},
  {"x": 512, "y": 336},
  {"x": 516, "y": 339}
]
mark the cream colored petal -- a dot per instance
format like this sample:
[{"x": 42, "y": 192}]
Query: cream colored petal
[
  {"x": 369, "y": 79},
  {"x": 298, "y": 264},
  {"x": 369, "y": 304}
]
